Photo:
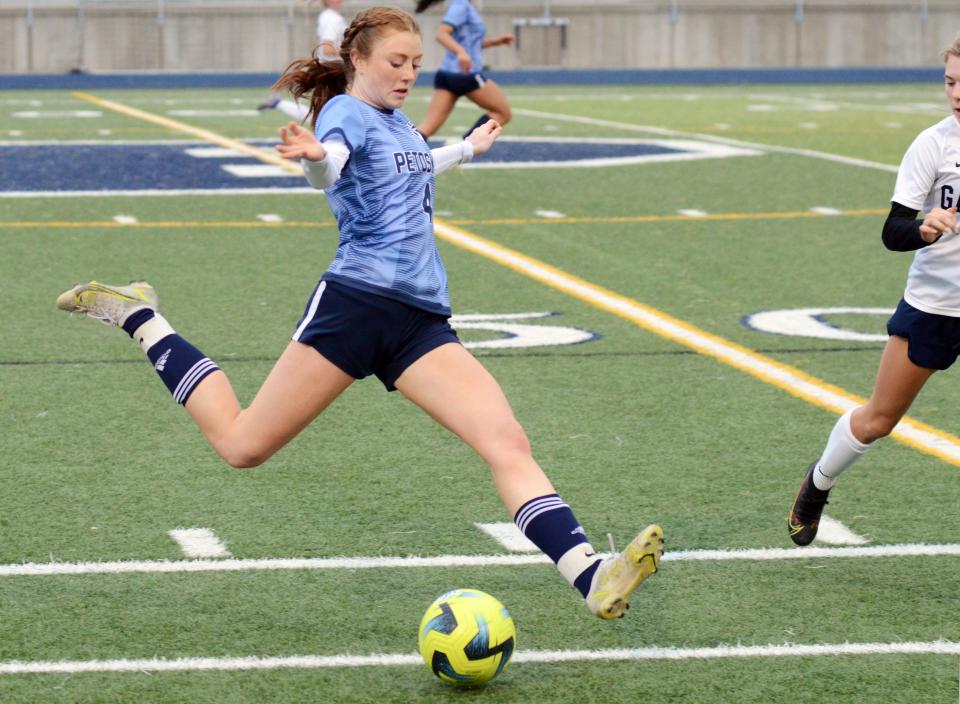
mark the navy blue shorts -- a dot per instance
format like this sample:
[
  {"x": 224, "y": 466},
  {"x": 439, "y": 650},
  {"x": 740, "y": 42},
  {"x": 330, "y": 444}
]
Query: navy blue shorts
[
  {"x": 458, "y": 83},
  {"x": 933, "y": 340},
  {"x": 363, "y": 333}
]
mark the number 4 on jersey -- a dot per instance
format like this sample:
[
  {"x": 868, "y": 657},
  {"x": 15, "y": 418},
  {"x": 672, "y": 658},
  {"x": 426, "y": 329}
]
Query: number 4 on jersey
[{"x": 428, "y": 202}]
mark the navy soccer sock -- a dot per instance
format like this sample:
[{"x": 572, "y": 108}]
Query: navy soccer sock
[
  {"x": 483, "y": 118},
  {"x": 548, "y": 522},
  {"x": 181, "y": 366}
]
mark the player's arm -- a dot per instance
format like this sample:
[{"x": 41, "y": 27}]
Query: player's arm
[
  {"x": 322, "y": 162},
  {"x": 902, "y": 232},
  {"x": 446, "y": 40},
  {"x": 479, "y": 141},
  {"x": 497, "y": 41},
  {"x": 445, "y": 158}
]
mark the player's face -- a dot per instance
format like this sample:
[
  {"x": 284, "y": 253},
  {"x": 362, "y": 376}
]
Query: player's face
[
  {"x": 334, "y": 4},
  {"x": 951, "y": 80},
  {"x": 384, "y": 78}
]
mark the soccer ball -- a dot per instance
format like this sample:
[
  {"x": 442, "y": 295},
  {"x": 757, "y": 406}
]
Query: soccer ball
[{"x": 467, "y": 637}]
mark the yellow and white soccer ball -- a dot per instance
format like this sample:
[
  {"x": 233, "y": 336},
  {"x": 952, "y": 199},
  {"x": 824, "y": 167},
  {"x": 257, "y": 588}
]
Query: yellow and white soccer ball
[{"x": 467, "y": 637}]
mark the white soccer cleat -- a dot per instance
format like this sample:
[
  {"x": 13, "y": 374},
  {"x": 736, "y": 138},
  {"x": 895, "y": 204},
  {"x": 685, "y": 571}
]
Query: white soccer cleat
[
  {"x": 111, "y": 305},
  {"x": 617, "y": 577}
]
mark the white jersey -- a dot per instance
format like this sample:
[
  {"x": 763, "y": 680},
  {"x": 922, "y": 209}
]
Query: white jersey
[
  {"x": 330, "y": 28},
  {"x": 929, "y": 177}
]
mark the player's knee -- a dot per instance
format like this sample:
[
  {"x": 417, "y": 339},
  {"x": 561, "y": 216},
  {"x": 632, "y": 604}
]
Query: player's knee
[
  {"x": 504, "y": 115},
  {"x": 510, "y": 439},
  {"x": 242, "y": 454}
]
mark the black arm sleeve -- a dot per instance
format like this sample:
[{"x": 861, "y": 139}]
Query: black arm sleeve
[{"x": 901, "y": 231}]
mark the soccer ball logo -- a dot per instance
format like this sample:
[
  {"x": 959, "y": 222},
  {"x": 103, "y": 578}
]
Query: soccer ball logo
[{"x": 467, "y": 637}]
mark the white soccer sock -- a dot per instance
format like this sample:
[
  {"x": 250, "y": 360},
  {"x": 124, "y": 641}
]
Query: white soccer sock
[
  {"x": 152, "y": 331},
  {"x": 576, "y": 561},
  {"x": 842, "y": 450},
  {"x": 295, "y": 110}
]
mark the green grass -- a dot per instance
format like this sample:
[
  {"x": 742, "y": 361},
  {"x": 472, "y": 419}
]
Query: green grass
[{"x": 98, "y": 463}]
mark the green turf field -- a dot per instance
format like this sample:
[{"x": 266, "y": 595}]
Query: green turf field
[{"x": 708, "y": 435}]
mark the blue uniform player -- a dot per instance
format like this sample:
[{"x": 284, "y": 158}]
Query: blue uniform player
[
  {"x": 381, "y": 308},
  {"x": 383, "y": 204},
  {"x": 462, "y": 34}
]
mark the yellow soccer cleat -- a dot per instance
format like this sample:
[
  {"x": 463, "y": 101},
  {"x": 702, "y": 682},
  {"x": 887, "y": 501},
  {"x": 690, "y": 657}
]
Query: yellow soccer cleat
[
  {"x": 111, "y": 305},
  {"x": 617, "y": 577}
]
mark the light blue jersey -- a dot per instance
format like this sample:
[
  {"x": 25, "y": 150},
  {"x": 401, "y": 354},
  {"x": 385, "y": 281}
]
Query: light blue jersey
[
  {"x": 383, "y": 202},
  {"x": 468, "y": 30}
]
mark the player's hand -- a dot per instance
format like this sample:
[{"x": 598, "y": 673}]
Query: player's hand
[
  {"x": 503, "y": 39},
  {"x": 938, "y": 222},
  {"x": 300, "y": 143},
  {"x": 484, "y": 136},
  {"x": 464, "y": 62}
]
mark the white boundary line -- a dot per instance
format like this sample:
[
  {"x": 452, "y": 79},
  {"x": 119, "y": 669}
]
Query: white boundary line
[
  {"x": 826, "y": 156},
  {"x": 805, "y": 101},
  {"x": 356, "y": 563},
  {"x": 937, "y": 647}
]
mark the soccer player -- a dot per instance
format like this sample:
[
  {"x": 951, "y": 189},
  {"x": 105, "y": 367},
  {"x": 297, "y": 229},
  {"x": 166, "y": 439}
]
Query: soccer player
[
  {"x": 330, "y": 29},
  {"x": 463, "y": 34},
  {"x": 925, "y": 328},
  {"x": 378, "y": 175}
]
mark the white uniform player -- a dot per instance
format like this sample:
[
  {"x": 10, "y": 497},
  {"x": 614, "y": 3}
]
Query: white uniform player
[
  {"x": 925, "y": 329},
  {"x": 330, "y": 29},
  {"x": 929, "y": 178}
]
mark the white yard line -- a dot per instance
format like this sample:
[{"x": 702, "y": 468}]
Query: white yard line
[
  {"x": 311, "y": 662},
  {"x": 833, "y": 532},
  {"x": 509, "y": 536},
  {"x": 199, "y": 542},
  {"x": 649, "y": 129},
  {"x": 38, "y": 569},
  {"x": 809, "y": 102}
]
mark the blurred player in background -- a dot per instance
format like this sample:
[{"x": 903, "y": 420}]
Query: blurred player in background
[
  {"x": 925, "y": 329},
  {"x": 330, "y": 29},
  {"x": 381, "y": 308},
  {"x": 463, "y": 34}
]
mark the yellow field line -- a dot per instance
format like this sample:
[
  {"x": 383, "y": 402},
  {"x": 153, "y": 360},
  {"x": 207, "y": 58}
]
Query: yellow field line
[
  {"x": 206, "y": 135},
  {"x": 916, "y": 434},
  {"x": 913, "y": 433},
  {"x": 597, "y": 220}
]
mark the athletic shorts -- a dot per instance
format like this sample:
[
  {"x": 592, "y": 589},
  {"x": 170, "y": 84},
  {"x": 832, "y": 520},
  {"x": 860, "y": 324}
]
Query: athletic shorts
[
  {"x": 933, "y": 340},
  {"x": 363, "y": 333},
  {"x": 458, "y": 83}
]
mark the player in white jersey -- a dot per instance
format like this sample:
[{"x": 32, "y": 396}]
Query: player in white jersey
[
  {"x": 381, "y": 308},
  {"x": 462, "y": 34},
  {"x": 330, "y": 29},
  {"x": 925, "y": 329}
]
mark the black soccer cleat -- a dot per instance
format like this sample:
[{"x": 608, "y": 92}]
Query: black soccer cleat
[{"x": 807, "y": 508}]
